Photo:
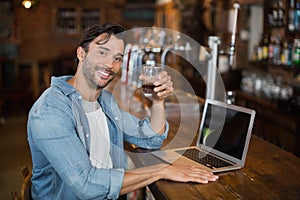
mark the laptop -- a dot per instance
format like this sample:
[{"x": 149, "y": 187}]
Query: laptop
[{"x": 222, "y": 144}]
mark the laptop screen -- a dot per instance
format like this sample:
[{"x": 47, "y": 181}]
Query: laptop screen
[{"x": 225, "y": 129}]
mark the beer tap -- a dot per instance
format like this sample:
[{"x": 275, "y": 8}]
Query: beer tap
[
  {"x": 164, "y": 54},
  {"x": 178, "y": 48},
  {"x": 211, "y": 91},
  {"x": 236, "y": 7}
]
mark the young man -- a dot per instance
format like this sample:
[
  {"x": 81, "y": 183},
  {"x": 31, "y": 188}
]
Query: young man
[{"x": 76, "y": 129}]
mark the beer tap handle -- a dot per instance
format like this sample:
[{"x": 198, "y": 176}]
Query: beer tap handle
[{"x": 236, "y": 7}]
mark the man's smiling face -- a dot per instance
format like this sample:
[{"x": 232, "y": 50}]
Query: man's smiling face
[{"x": 102, "y": 61}]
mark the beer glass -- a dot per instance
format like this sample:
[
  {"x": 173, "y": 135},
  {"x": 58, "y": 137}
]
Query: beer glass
[{"x": 151, "y": 74}]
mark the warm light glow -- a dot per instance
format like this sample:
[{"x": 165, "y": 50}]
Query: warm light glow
[{"x": 27, "y": 4}]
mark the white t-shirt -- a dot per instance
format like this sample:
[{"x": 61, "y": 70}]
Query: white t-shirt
[{"x": 100, "y": 142}]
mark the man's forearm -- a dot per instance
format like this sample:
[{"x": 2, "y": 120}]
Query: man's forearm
[
  {"x": 141, "y": 177},
  {"x": 158, "y": 116}
]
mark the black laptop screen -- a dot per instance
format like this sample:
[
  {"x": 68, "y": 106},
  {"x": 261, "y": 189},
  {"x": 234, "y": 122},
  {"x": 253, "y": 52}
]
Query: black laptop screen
[{"x": 225, "y": 130}]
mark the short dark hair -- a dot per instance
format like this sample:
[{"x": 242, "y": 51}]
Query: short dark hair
[{"x": 94, "y": 31}]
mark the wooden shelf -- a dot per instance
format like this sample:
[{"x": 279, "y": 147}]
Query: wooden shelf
[{"x": 265, "y": 65}]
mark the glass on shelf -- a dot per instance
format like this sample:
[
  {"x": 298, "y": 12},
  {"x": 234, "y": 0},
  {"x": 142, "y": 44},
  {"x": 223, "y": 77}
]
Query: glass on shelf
[{"x": 266, "y": 86}]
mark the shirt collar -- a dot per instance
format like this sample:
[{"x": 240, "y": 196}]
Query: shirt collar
[{"x": 61, "y": 82}]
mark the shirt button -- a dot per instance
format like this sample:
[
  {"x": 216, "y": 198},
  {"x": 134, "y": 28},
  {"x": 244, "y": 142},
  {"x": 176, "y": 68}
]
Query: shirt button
[
  {"x": 79, "y": 97},
  {"x": 87, "y": 135},
  {"x": 116, "y": 118}
]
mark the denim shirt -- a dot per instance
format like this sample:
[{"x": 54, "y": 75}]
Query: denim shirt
[{"x": 59, "y": 139}]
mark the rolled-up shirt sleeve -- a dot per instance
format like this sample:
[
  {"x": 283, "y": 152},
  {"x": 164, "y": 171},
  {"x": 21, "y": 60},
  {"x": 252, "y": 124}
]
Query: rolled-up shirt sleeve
[
  {"x": 139, "y": 132},
  {"x": 115, "y": 186}
]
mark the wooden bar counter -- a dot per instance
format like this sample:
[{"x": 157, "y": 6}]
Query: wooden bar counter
[{"x": 269, "y": 172}]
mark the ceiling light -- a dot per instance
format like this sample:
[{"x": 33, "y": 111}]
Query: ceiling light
[{"x": 27, "y": 4}]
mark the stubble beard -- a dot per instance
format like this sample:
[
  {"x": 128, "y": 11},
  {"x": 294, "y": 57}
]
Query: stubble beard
[{"x": 90, "y": 74}]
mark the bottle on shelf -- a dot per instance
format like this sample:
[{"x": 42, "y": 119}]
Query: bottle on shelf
[
  {"x": 297, "y": 17},
  {"x": 265, "y": 47},
  {"x": 290, "y": 59},
  {"x": 276, "y": 50},
  {"x": 286, "y": 51},
  {"x": 296, "y": 53},
  {"x": 259, "y": 53},
  {"x": 255, "y": 54},
  {"x": 273, "y": 14},
  {"x": 259, "y": 50},
  {"x": 291, "y": 17},
  {"x": 271, "y": 49},
  {"x": 281, "y": 13}
]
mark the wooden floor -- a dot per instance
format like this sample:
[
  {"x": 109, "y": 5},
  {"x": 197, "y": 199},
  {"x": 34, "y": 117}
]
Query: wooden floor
[{"x": 14, "y": 153}]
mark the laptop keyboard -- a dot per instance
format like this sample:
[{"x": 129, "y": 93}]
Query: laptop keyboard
[{"x": 204, "y": 158}]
